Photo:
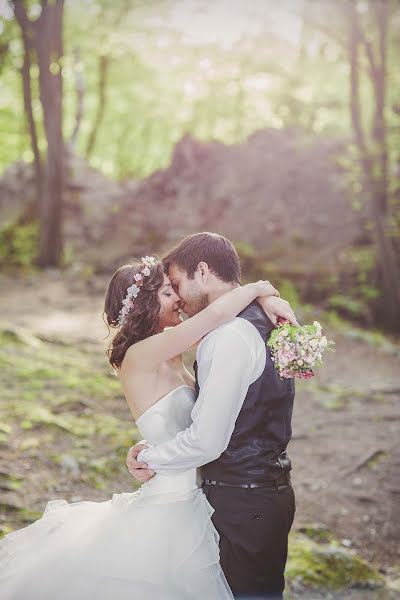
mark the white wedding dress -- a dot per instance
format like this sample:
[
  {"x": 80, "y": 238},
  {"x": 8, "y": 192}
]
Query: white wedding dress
[{"x": 157, "y": 543}]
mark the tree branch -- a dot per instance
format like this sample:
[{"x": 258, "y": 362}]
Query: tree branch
[
  {"x": 21, "y": 14},
  {"x": 80, "y": 90},
  {"x": 28, "y": 31},
  {"x": 322, "y": 28},
  {"x": 355, "y": 106},
  {"x": 370, "y": 53},
  {"x": 104, "y": 62}
]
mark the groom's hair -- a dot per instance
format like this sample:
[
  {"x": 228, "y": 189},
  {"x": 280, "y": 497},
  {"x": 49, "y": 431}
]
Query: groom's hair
[{"x": 214, "y": 249}]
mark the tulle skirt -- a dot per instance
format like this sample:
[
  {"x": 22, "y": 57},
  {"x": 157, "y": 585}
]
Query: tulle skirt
[{"x": 159, "y": 546}]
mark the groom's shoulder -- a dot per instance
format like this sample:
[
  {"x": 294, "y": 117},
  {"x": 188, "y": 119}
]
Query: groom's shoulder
[
  {"x": 236, "y": 331},
  {"x": 256, "y": 315}
]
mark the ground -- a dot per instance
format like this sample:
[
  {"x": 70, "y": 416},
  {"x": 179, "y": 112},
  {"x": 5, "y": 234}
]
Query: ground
[{"x": 65, "y": 427}]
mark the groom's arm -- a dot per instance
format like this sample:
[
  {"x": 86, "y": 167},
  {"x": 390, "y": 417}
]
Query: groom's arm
[{"x": 229, "y": 360}]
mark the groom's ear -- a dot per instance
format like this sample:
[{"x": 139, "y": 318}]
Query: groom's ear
[{"x": 203, "y": 271}]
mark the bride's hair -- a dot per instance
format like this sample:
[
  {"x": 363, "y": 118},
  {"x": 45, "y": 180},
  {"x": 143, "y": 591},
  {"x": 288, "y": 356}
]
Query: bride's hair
[{"x": 143, "y": 319}]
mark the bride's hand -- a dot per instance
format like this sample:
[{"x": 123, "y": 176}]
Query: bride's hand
[
  {"x": 139, "y": 470},
  {"x": 265, "y": 289},
  {"x": 277, "y": 307}
]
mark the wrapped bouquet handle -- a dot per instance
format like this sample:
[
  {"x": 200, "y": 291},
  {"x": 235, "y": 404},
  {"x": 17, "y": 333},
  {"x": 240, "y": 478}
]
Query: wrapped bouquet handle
[{"x": 296, "y": 351}]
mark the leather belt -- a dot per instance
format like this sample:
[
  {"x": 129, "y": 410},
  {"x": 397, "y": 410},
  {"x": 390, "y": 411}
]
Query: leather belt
[{"x": 268, "y": 484}]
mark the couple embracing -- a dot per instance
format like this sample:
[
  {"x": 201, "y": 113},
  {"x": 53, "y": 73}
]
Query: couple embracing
[{"x": 212, "y": 517}]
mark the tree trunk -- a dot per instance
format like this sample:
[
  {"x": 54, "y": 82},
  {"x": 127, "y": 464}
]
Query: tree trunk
[
  {"x": 44, "y": 37},
  {"x": 374, "y": 163},
  {"x": 50, "y": 51}
]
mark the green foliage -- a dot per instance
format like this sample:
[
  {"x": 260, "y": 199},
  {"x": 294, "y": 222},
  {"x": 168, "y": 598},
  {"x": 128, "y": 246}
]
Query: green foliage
[
  {"x": 289, "y": 291},
  {"x": 18, "y": 245},
  {"x": 292, "y": 333},
  {"x": 346, "y": 304},
  {"x": 158, "y": 87}
]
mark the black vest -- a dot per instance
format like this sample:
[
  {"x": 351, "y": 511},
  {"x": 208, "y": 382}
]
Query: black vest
[{"x": 256, "y": 450}]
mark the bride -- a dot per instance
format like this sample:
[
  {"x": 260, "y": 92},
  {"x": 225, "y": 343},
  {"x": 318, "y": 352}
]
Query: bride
[{"x": 157, "y": 543}]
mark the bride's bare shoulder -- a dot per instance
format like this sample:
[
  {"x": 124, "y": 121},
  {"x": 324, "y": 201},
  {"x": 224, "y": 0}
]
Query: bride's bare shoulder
[{"x": 135, "y": 356}]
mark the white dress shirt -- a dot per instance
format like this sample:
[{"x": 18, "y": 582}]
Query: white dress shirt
[{"x": 229, "y": 359}]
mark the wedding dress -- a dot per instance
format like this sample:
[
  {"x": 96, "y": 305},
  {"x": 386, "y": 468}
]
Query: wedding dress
[{"x": 157, "y": 543}]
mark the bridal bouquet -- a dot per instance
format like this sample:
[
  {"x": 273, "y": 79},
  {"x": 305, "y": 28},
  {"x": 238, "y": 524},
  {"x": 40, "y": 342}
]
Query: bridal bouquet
[{"x": 295, "y": 351}]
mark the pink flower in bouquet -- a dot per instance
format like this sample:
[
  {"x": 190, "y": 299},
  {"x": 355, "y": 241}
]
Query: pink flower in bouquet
[{"x": 295, "y": 350}]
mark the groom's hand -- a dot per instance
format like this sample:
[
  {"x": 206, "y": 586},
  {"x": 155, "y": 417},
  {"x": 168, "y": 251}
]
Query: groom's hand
[{"x": 139, "y": 470}]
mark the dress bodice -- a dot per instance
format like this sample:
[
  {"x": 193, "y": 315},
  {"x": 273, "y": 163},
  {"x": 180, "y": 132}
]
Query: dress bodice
[
  {"x": 160, "y": 423},
  {"x": 171, "y": 414}
]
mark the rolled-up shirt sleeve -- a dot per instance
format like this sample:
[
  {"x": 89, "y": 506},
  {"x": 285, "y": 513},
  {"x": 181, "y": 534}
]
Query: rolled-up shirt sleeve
[{"x": 229, "y": 360}]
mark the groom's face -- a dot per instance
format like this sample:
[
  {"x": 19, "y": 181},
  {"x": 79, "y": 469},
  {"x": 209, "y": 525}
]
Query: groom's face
[{"x": 191, "y": 291}]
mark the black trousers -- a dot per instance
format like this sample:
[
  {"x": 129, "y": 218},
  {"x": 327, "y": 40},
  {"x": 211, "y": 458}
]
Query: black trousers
[{"x": 253, "y": 525}]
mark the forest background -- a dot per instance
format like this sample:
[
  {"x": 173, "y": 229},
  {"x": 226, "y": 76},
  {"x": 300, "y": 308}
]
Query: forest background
[{"x": 126, "y": 125}]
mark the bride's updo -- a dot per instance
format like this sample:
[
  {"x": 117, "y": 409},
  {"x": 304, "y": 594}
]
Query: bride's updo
[{"x": 143, "y": 318}]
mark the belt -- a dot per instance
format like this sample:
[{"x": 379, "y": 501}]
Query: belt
[{"x": 267, "y": 484}]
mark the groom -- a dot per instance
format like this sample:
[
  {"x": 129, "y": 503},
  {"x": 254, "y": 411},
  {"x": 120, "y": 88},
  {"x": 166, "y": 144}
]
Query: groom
[{"x": 241, "y": 425}]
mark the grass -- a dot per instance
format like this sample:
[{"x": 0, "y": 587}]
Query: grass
[{"x": 61, "y": 405}]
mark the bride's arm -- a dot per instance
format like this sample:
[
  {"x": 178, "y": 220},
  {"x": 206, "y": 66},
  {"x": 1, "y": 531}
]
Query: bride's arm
[
  {"x": 277, "y": 307},
  {"x": 172, "y": 342}
]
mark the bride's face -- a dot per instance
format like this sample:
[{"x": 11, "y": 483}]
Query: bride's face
[{"x": 170, "y": 312}]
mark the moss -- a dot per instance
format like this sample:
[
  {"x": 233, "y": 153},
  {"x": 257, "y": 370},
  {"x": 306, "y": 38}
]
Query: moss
[
  {"x": 25, "y": 515},
  {"x": 29, "y": 443},
  {"x": 333, "y": 396},
  {"x": 333, "y": 402},
  {"x": 5, "y": 431},
  {"x": 376, "y": 458},
  {"x": 4, "y": 530},
  {"x": 58, "y": 369},
  {"x": 60, "y": 400},
  {"x": 18, "y": 244},
  {"x": 35, "y": 415},
  {"x": 317, "y": 532},
  {"x": 9, "y": 482},
  {"x": 328, "y": 566},
  {"x": 18, "y": 336}
]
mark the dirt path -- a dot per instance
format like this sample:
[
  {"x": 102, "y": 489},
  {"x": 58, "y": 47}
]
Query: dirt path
[{"x": 346, "y": 423}]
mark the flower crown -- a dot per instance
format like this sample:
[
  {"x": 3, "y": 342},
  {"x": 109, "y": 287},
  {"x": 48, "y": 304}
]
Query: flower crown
[{"x": 134, "y": 289}]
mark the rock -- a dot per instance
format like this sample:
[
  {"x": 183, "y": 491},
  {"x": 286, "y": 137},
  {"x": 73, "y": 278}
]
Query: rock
[
  {"x": 394, "y": 585},
  {"x": 328, "y": 566},
  {"x": 265, "y": 192},
  {"x": 69, "y": 464},
  {"x": 317, "y": 532}
]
